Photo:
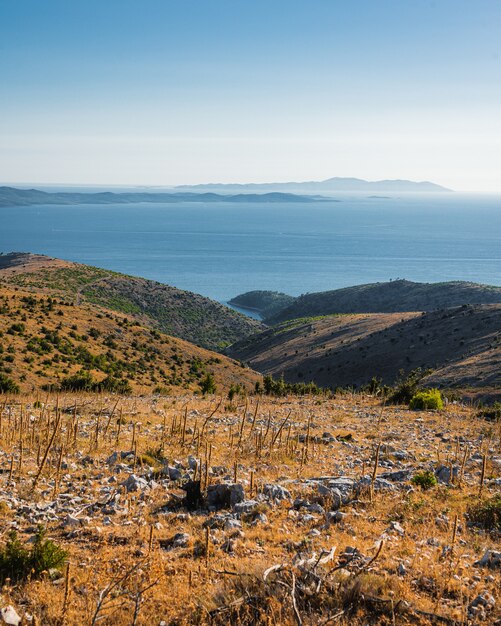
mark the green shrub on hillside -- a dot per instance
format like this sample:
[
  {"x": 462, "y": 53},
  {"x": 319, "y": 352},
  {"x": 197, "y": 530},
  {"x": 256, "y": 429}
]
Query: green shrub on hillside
[
  {"x": 208, "y": 384},
  {"x": 425, "y": 480},
  {"x": 18, "y": 562},
  {"x": 491, "y": 413},
  {"x": 81, "y": 381},
  {"x": 487, "y": 513},
  {"x": 278, "y": 387},
  {"x": 406, "y": 387},
  {"x": 428, "y": 399},
  {"x": 7, "y": 385}
]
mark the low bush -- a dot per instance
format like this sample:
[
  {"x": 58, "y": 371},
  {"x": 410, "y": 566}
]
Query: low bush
[
  {"x": 7, "y": 385},
  {"x": 405, "y": 387},
  {"x": 486, "y": 513},
  {"x": 208, "y": 384},
  {"x": 18, "y": 562},
  {"x": 491, "y": 413},
  {"x": 428, "y": 399},
  {"x": 279, "y": 388},
  {"x": 426, "y": 480}
]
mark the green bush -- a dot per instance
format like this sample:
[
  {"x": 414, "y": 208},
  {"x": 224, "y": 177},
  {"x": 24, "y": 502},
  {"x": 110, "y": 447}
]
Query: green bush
[
  {"x": 406, "y": 387},
  {"x": 81, "y": 381},
  {"x": 18, "y": 562},
  {"x": 7, "y": 385},
  {"x": 487, "y": 513},
  {"x": 427, "y": 399},
  {"x": 425, "y": 480},
  {"x": 491, "y": 413},
  {"x": 278, "y": 387},
  {"x": 236, "y": 390},
  {"x": 113, "y": 384},
  {"x": 208, "y": 384}
]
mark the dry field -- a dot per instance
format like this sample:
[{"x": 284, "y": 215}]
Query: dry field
[{"x": 306, "y": 513}]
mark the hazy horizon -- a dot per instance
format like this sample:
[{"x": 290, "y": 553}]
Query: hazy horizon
[{"x": 171, "y": 93}]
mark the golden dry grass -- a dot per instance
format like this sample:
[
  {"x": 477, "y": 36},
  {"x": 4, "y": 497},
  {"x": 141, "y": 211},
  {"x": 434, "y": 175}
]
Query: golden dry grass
[{"x": 185, "y": 585}]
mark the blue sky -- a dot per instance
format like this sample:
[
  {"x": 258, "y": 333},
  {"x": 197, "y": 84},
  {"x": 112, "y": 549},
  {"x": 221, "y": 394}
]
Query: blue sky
[{"x": 161, "y": 92}]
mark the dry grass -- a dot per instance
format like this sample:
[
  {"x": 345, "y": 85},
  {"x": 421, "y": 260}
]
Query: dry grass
[{"x": 123, "y": 570}]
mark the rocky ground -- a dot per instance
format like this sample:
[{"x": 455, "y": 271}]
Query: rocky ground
[{"x": 185, "y": 510}]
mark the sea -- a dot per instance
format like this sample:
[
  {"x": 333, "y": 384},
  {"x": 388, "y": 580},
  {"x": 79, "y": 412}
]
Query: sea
[{"x": 222, "y": 249}]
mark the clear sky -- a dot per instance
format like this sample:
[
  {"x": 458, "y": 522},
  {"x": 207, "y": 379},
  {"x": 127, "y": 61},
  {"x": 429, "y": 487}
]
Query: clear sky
[{"x": 161, "y": 92}]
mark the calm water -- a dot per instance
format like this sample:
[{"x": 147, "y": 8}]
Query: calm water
[{"x": 221, "y": 250}]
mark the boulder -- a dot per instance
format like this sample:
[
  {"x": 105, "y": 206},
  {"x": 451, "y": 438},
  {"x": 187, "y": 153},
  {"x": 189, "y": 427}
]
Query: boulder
[
  {"x": 135, "y": 483},
  {"x": 224, "y": 495},
  {"x": 491, "y": 559},
  {"x": 443, "y": 474},
  {"x": 276, "y": 492}
]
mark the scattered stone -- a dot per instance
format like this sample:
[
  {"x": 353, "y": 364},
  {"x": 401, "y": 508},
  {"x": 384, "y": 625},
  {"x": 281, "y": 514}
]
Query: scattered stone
[
  {"x": 276, "y": 492},
  {"x": 380, "y": 484},
  {"x": 396, "y": 527},
  {"x": 174, "y": 473},
  {"x": 247, "y": 506},
  {"x": 491, "y": 559},
  {"x": 179, "y": 540},
  {"x": 397, "y": 477},
  {"x": 443, "y": 474},
  {"x": 335, "y": 516},
  {"x": 135, "y": 483},
  {"x": 70, "y": 521},
  {"x": 484, "y": 600}
]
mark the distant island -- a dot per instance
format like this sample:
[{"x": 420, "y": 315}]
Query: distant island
[
  {"x": 331, "y": 185},
  {"x": 11, "y": 196}
]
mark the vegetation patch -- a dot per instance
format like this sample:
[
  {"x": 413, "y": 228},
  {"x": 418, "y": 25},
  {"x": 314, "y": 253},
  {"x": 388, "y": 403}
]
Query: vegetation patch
[
  {"x": 427, "y": 400},
  {"x": 426, "y": 480},
  {"x": 486, "y": 513},
  {"x": 18, "y": 562}
]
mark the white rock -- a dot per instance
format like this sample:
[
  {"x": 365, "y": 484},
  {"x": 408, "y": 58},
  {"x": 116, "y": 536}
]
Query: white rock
[{"x": 10, "y": 616}]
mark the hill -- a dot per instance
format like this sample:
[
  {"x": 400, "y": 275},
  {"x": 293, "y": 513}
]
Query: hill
[
  {"x": 266, "y": 303},
  {"x": 45, "y": 341},
  {"x": 180, "y": 313},
  {"x": 389, "y": 297},
  {"x": 330, "y": 185},
  {"x": 10, "y": 196},
  {"x": 462, "y": 345}
]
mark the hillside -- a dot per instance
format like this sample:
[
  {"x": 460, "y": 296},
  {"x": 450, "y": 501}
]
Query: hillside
[
  {"x": 180, "y": 313},
  {"x": 10, "y": 196},
  {"x": 461, "y": 345},
  {"x": 389, "y": 297},
  {"x": 45, "y": 340}
]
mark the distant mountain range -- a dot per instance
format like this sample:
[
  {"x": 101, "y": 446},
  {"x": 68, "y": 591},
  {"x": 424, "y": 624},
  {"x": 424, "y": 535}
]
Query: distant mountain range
[
  {"x": 331, "y": 185},
  {"x": 11, "y": 196}
]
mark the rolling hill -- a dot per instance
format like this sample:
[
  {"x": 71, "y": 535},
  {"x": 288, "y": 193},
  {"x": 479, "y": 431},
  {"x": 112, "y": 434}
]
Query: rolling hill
[
  {"x": 11, "y": 196},
  {"x": 179, "y": 313},
  {"x": 47, "y": 342},
  {"x": 389, "y": 297},
  {"x": 462, "y": 345}
]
